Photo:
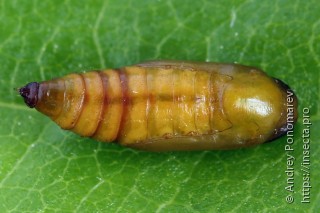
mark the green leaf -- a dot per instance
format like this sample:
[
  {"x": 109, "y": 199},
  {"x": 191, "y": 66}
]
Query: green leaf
[{"x": 46, "y": 169}]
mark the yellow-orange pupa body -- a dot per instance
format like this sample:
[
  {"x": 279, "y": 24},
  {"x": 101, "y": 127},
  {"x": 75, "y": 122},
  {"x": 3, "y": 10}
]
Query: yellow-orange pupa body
[{"x": 168, "y": 105}]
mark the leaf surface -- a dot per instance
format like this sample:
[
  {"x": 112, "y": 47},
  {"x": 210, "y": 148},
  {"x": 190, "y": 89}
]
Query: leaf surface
[{"x": 46, "y": 169}]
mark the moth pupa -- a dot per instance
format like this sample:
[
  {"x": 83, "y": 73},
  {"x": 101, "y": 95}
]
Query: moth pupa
[{"x": 168, "y": 105}]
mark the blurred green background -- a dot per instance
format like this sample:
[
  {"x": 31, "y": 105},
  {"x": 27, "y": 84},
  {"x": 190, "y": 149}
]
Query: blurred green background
[{"x": 45, "y": 169}]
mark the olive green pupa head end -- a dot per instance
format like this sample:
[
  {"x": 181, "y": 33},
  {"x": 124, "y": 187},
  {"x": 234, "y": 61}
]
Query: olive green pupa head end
[{"x": 286, "y": 116}]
